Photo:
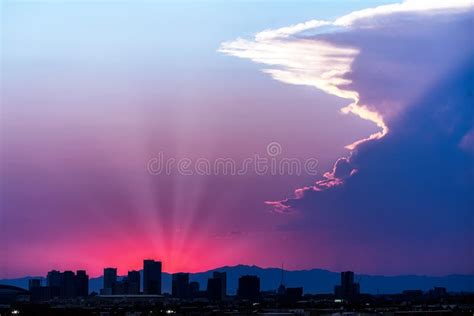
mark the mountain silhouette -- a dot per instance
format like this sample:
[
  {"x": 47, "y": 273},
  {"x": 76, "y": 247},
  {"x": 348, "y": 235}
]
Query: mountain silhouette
[{"x": 312, "y": 281}]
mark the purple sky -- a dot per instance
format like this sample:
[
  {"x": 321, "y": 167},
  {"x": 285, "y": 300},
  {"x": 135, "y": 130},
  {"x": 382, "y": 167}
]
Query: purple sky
[{"x": 92, "y": 91}]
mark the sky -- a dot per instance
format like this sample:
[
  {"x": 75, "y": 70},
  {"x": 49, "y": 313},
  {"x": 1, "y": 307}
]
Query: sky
[{"x": 112, "y": 112}]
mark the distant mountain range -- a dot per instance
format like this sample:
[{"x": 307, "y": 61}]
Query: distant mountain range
[{"x": 312, "y": 281}]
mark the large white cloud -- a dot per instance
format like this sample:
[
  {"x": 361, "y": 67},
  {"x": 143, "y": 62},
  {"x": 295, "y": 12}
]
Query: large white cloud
[
  {"x": 295, "y": 57},
  {"x": 409, "y": 68}
]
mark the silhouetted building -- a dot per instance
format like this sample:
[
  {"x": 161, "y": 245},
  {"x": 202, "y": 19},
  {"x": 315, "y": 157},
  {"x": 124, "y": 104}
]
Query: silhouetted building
[
  {"x": 82, "y": 283},
  {"x": 54, "y": 278},
  {"x": 348, "y": 289},
  {"x": 214, "y": 289},
  {"x": 53, "y": 281},
  {"x": 129, "y": 285},
  {"x": 180, "y": 285},
  {"x": 249, "y": 287},
  {"x": 68, "y": 285},
  {"x": 133, "y": 282},
  {"x": 32, "y": 283},
  {"x": 63, "y": 285},
  {"x": 222, "y": 276},
  {"x": 151, "y": 277},
  {"x": 217, "y": 286},
  {"x": 437, "y": 292},
  {"x": 110, "y": 278},
  {"x": 194, "y": 289},
  {"x": 10, "y": 294}
]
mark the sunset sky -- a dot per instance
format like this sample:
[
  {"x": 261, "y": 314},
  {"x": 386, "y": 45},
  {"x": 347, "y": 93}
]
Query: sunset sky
[{"x": 380, "y": 93}]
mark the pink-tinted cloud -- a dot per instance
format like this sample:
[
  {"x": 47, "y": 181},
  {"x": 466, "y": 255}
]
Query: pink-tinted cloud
[{"x": 411, "y": 71}]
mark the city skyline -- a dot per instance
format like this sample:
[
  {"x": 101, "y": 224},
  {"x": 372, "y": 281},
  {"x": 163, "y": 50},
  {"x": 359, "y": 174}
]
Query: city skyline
[
  {"x": 124, "y": 271},
  {"x": 67, "y": 292},
  {"x": 69, "y": 284},
  {"x": 314, "y": 281},
  {"x": 336, "y": 135}
]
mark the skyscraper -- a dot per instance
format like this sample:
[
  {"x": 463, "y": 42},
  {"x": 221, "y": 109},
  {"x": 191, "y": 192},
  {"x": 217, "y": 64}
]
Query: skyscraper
[
  {"x": 110, "y": 278},
  {"x": 68, "y": 285},
  {"x": 348, "y": 289},
  {"x": 217, "y": 286},
  {"x": 82, "y": 283},
  {"x": 133, "y": 282},
  {"x": 214, "y": 289},
  {"x": 151, "y": 277},
  {"x": 65, "y": 285},
  {"x": 54, "y": 278},
  {"x": 249, "y": 287},
  {"x": 180, "y": 285},
  {"x": 222, "y": 276}
]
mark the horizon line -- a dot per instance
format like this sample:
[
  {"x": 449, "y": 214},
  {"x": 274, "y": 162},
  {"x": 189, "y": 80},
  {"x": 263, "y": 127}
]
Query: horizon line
[{"x": 250, "y": 266}]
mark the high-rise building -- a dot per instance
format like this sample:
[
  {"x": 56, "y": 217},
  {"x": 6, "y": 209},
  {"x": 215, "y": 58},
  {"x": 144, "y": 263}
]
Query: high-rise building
[
  {"x": 82, "y": 283},
  {"x": 222, "y": 276},
  {"x": 217, "y": 286},
  {"x": 133, "y": 278},
  {"x": 214, "y": 289},
  {"x": 54, "y": 278},
  {"x": 249, "y": 287},
  {"x": 53, "y": 282},
  {"x": 68, "y": 285},
  {"x": 348, "y": 289},
  {"x": 64, "y": 285},
  {"x": 110, "y": 278},
  {"x": 151, "y": 277},
  {"x": 347, "y": 279},
  {"x": 180, "y": 285}
]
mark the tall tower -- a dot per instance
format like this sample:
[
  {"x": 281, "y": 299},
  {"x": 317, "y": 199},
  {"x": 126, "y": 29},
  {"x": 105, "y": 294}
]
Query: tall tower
[
  {"x": 249, "y": 287},
  {"x": 151, "y": 277},
  {"x": 348, "y": 289},
  {"x": 54, "y": 278},
  {"x": 222, "y": 277},
  {"x": 82, "y": 283},
  {"x": 282, "y": 288},
  {"x": 110, "y": 278},
  {"x": 180, "y": 285},
  {"x": 133, "y": 282}
]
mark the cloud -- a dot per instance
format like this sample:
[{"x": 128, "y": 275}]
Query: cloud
[
  {"x": 409, "y": 6},
  {"x": 408, "y": 68},
  {"x": 310, "y": 62},
  {"x": 285, "y": 32},
  {"x": 317, "y": 62},
  {"x": 378, "y": 67}
]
